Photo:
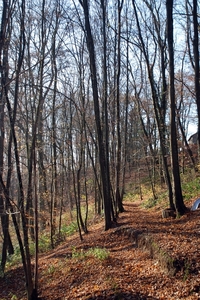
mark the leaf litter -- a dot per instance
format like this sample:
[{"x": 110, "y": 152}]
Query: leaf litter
[{"x": 128, "y": 272}]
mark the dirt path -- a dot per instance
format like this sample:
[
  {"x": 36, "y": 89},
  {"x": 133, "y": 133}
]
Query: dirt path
[{"x": 129, "y": 272}]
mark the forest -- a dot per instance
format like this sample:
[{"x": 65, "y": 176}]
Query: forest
[{"x": 98, "y": 99}]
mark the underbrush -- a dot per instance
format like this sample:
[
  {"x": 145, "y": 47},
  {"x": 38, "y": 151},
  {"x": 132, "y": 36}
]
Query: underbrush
[
  {"x": 190, "y": 187},
  {"x": 98, "y": 253},
  {"x": 141, "y": 193},
  {"x": 44, "y": 243},
  {"x": 68, "y": 228},
  {"x": 190, "y": 184}
]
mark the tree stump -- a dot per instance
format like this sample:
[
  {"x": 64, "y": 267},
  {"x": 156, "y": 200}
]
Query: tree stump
[{"x": 168, "y": 213}]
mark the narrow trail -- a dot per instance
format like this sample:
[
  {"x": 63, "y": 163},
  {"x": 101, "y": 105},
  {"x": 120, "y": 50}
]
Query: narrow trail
[{"x": 129, "y": 272}]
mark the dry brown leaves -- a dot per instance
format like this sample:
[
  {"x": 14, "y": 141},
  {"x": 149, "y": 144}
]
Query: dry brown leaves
[{"x": 128, "y": 272}]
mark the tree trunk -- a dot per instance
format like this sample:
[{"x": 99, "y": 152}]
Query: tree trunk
[
  {"x": 159, "y": 110},
  {"x": 102, "y": 155},
  {"x": 4, "y": 78},
  {"x": 177, "y": 191},
  {"x": 196, "y": 63},
  {"x": 24, "y": 246},
  {"x": 119, "y": 203}
]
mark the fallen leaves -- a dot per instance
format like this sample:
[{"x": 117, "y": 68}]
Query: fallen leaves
[{"x": 128, "y": 272}]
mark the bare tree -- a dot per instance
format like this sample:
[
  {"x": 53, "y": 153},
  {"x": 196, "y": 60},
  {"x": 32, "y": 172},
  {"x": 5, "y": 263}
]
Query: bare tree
[
  {"x": 102, "y": 155},
  {"x": 118, "y": 158},
  {"x": 177, "y": 191},
  {"x": 159, "y": 99},
  {"x": 196, "y": 61},
  {"x": 4, "y": 46}
]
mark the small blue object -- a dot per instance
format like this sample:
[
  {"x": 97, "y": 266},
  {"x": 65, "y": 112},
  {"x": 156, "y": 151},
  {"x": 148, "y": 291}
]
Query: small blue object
[{"x": 196, "y": 204}]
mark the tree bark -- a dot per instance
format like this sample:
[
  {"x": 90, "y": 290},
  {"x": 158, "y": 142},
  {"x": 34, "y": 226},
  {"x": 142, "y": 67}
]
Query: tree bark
[
  {"x": 196, "y": 63},
  {"x": 102, "y": 155},
  {"x": 159, "y": 109},
  {"x": 119, "y": 146},
  {"x": 177, "y": 191},
  {"x": 4, "y": 34}
]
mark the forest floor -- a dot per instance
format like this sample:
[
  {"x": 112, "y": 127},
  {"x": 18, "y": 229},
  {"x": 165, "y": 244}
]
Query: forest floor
[{"x": 132, "y": 270}]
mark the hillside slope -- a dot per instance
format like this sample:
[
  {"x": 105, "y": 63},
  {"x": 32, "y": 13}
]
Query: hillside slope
[{"x": 149, "y": 258}]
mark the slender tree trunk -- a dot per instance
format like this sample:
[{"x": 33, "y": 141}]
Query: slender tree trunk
[
  {"x": 27, "y": 262},
  {"x": 159, "y": 111},
  {"x": 124, "y": 163},
  {"x": 177, "y": 191},
  {"x": 102, "y": 155},
  {"x": 105, "y": 127},
  {"x": 4, "y": 79},
  {"x": 196, "y": 63},
  {"x": 36, "y": 229},
  {"x": 118, "y": 162},
  {"x": 54, "y": 147}
]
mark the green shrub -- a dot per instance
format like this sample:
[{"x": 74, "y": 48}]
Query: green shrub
[
  {"x": 78, "y": 254},
  {"x": 51, "y": 269},
  {"x": 15, "y": 258},
  {"x": 44, "y": 243},
  {"x": 69, "y": 229},
  {"x": 99, "y": 253},
  {"x": 151, "y": 202},
  {"x": 191, "y": 188}
]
